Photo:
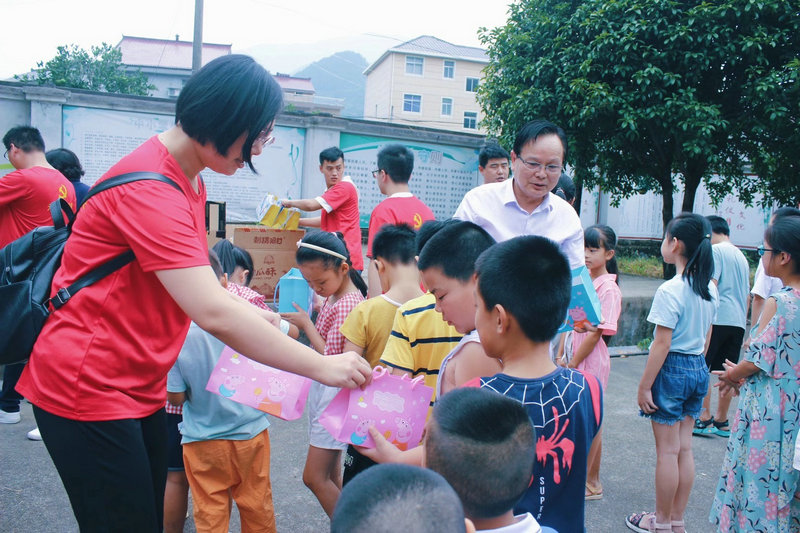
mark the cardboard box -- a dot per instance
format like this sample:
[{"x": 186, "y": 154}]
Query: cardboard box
[{"x": 273, "y": 253}]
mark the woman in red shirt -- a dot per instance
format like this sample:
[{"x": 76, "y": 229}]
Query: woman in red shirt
[{"x": 97, "y": 375}]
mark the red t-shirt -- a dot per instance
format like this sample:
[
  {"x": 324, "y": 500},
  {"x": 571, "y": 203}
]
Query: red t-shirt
[
  {"x": 342, "y": 198},
  {"x": 105, "y": 355},
  {"x": 25, "y": 198},
  {"x": 397, "y": 210}
]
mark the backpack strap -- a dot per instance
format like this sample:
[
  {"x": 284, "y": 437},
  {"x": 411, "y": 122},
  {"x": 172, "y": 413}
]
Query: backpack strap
[
  {"x": 57, "y": 210},
  {"x": 128, "y": 177},
  {"x": 63, "y": 294}
]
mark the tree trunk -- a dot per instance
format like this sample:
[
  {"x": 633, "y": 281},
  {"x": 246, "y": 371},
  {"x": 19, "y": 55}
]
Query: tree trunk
[
  {"x": 578, "y": 195},
  {"x": 692, "y": 174},
  {"x": 666, "y": 214}
]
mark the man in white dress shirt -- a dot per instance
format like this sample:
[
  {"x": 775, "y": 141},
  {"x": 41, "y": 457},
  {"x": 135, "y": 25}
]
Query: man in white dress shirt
[{"x": 524, "y": 205}]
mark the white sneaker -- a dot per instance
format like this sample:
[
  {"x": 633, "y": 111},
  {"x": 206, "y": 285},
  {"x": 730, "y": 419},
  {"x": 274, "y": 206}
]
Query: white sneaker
[
  {"x": 34, "y": 434},
  {"x": 9, "y": 418}
]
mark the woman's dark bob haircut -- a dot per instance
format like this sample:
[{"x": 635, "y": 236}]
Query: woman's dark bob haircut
[{"x": 229, "y": 96}]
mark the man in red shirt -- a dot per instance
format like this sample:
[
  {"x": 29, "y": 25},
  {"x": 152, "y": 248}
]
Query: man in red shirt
[
  {"x": 339, "y": 204},
  {"x": 25, "y": 198},
  {"x": 395, "y": 164}
]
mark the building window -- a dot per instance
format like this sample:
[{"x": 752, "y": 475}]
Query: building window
[
  {"x": 447, "y": 107},
  {"x": 449, "y": 69},
  {"x": 412, "y": 103},
  {"x": 173, "y": 92},
  {"x": 472, "y": 85},
  {"x": 414, "y": 65},
  {"x": 470, "y": 120}
]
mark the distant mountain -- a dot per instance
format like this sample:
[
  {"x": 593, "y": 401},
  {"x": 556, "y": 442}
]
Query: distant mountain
[
  {"x": 340, "y": 76},
  {"x": 297, "y": 56}
]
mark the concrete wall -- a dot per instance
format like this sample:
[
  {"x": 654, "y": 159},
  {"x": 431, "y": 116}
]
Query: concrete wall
[{"x": 46, "y": 108}]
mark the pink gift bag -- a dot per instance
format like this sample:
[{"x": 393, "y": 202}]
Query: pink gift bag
[
  {"x": 268, "y": 389},
  {"x": 396, "y": 405}
]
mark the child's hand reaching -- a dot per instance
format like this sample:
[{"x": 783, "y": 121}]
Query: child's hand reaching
[
  {"x": 299, "y": 319},
  {"x": 348, "y": 370},
  {"x": 383, "y": 452},
  {"x": 645, "y": 400}
]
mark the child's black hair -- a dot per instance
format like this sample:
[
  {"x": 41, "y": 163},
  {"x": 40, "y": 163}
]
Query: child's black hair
[
  {"x": 66, "y": 162},
  {"x": 483, "y": 443},
  {"x": 335, "y": 243},
  {"x": 531, "y": 279},
  {"x": 783, "y": 235},
  {"x": 395, "y": 244},
  {"x": 602, "y": 236},
  {"x": 231, "y": 256},
  {"x": 694, "y": 231},
  {"x": 396, "y": 498},
  {"x": 213, "y": 260},
  {"x": 565, "y": 188},
  {"x": 454, "y": 249},
  {"x": 784, "y": 212},
  {"x": 719, "y": 225},
  {"x": 428, "y": 230}
]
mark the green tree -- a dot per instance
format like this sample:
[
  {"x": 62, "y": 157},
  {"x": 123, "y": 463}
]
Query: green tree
[
  {"x": 651, "y": 92},
  {"x": 99, "y": 69}
]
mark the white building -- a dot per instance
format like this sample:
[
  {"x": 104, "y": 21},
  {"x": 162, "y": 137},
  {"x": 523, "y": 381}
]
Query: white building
[
  {"x": 167, "y": 63},
  {"x": 426, "y": 82}
]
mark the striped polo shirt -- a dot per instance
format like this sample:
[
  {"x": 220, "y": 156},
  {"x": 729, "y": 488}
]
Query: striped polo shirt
[{"x": 420, "y": 340}]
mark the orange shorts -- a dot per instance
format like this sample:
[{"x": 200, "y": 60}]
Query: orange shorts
[{"x": 219, "y": 469}]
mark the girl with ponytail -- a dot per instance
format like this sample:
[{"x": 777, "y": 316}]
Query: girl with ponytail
[
  {"x": 675, "y": 378},
  {"x": 324, "y": 261}
]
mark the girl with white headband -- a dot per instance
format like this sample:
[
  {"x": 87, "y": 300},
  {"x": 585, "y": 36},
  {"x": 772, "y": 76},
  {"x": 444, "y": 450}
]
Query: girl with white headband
[{"x": 324, "y": 261}]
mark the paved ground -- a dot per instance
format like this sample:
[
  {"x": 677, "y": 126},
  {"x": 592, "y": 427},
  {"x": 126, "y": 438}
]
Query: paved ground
[{"x": 32, "y": 498}]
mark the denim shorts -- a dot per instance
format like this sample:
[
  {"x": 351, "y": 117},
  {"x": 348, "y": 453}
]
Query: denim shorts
[{"x": 679, "y": 388}]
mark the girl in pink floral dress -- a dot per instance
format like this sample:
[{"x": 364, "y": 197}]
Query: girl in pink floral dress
[
  {"x": 758, "y": 488},
  {"x": 589, "y": 349}
]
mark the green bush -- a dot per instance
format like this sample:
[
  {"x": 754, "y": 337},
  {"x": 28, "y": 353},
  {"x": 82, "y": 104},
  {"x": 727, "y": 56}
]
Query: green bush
[{"x": 640, "y": 265}]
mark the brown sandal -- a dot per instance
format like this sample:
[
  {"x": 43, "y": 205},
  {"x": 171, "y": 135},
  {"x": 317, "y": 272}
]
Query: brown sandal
[{"x": 593, "y": 493}]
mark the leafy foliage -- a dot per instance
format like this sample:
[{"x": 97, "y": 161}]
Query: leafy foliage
[
  {"x": 99, "y": 69},
  {"x": 651, "y": 92}
]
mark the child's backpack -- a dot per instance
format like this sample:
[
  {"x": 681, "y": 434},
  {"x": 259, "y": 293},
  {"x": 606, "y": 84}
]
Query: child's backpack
[{"x": 27, "y": 267}]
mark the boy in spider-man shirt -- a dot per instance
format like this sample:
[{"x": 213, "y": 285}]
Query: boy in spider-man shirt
[{"x": 522, "y": 295}]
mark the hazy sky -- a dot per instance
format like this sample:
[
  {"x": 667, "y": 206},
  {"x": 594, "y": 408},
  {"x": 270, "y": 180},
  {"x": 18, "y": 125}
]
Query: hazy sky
[{"x": 32, "y": 29}]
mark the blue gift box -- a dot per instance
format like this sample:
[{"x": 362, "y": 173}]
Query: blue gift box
[{"x": 584, "y": 305}]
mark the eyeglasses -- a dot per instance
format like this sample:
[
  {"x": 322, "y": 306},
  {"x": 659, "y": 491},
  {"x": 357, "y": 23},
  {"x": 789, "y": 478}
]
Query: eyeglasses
[
  {"x": 5, "y": 155},
  {"x": 375, "y": 173},
  {"x": 761, "y": 250},
  {"x": 553, "y": 170},
  {"x": 264, "y": 138}
]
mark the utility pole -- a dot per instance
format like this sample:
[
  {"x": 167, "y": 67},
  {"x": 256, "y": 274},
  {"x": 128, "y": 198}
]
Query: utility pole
[{"x": 197, "y": 44}]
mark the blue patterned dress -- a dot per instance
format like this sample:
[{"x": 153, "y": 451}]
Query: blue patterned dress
[{"x": 757, "y": 486}]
